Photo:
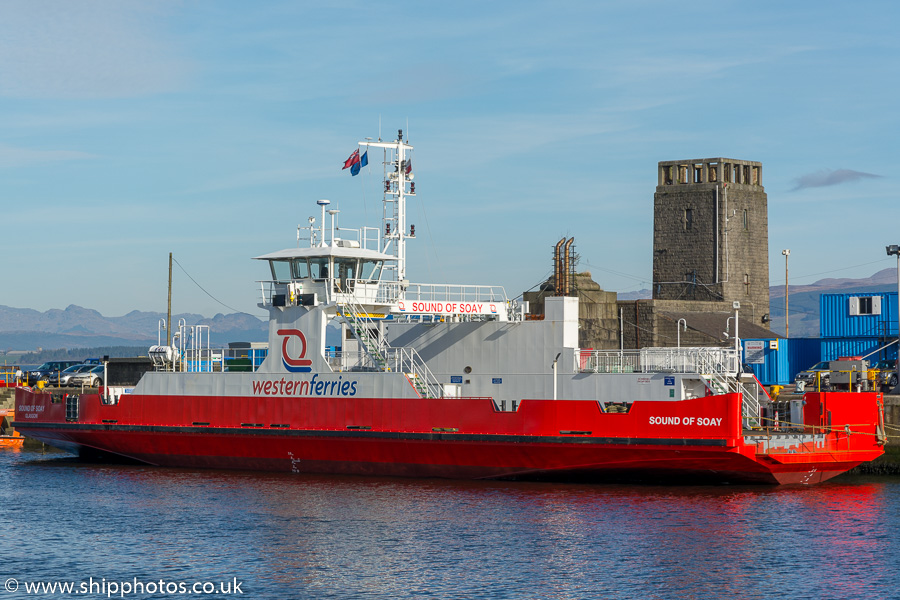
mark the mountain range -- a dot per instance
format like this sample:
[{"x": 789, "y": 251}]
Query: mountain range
[
  {"x": 78, "y": 327},
  {"x": 24, "y": 329}
]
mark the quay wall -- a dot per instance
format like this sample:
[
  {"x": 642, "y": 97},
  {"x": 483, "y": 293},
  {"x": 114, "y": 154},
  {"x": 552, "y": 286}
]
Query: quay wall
[{"x": 889, "y": 462}]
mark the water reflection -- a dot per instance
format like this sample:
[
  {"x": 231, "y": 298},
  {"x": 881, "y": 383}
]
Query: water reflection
[{"x": 309, "y": 536}]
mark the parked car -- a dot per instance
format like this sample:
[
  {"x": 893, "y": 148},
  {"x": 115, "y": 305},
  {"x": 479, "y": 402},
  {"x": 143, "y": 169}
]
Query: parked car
[
  {"x": 91, "y": 378},
  {"x": 809, "y": 375},
  {"x": 46, "y": 369},
  {"x": 61, "y": 378},
  {"x": 884, "y": 372}
]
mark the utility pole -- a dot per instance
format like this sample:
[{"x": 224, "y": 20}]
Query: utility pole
[
  {"x": 894, "y": 250},
  {"x": 169, "y": 311},
  {"x": 787, "y": 329}
]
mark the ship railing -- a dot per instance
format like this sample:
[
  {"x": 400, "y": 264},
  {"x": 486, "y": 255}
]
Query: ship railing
[
  {"x": 602, "y": 361},
  {"x": 719, "y": 368},
  {"x": 208, "y": 360},
  {"x": 368, "y": 291},
  {"x": 288, "y": 293},
  {"x": 293, "y": 293},
  {"x": 396, "y": 360},
  {"x": 408, "y": 361},
  {"x": 752, "y": 397},
  {"x": 392, "y": 291},
  {"x": 192, "y": 350},
  {"x": 364, "y": 237},
  {"x": 202, "y": 360},
  {"x": 342, "y": 361},
  {"x": 354, "y": 315},
  {"x": 722, "y": 361}
]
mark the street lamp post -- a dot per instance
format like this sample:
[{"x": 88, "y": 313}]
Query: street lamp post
[
  {"x": 894, "y": 250},
  {"x": 787, "y": 329}
]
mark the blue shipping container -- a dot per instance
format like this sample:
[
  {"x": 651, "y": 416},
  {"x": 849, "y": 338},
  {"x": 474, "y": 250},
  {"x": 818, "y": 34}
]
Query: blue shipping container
[
  {"x": 867, "y": 314},
  {"x": 834, "y": 348},
  {"x": 781, "y": 365}
]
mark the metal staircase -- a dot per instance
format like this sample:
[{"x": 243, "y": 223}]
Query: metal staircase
[
  {"x": 419, "y": 374},
  {"x": 373, "y": 346},
  {"x": 719, "y": 379},
  {"x": 384, "y": 358}
]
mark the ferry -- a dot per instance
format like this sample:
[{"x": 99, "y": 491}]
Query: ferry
[{"x": 447, "y": 381}]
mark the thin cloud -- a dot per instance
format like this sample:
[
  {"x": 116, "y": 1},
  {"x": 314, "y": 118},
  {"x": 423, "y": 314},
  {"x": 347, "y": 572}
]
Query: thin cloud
[
  {"x": 22, "y": 157},
  {"x": 828, "y": 177},
  {"x": 87, "y": 50}
]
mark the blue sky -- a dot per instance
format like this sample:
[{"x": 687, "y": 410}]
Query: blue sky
[{"x": 129, "y": 130}]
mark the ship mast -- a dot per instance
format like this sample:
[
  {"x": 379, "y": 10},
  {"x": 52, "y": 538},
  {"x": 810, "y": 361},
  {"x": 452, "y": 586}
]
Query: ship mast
[{"x": 396, "y": 182}]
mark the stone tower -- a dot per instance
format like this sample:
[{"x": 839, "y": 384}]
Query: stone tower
[{"x": 711, "y": 235}]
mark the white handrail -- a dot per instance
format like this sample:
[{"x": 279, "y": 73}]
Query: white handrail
[{"x": 661, "y": 360}]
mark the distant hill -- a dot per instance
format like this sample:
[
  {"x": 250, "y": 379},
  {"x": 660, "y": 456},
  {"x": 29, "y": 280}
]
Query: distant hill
[
  {"x": 23, "y": 329},
  {"x": 78, "y": 327},
  {"x": 803, "y": 303},
  {"x": 638, "y": 295}
]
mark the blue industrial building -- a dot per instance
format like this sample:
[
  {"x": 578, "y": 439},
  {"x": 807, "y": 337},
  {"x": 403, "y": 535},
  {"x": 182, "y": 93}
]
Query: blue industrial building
[
  {"x": 862, "y": 324},
  {"x": 858, "y": 325}
]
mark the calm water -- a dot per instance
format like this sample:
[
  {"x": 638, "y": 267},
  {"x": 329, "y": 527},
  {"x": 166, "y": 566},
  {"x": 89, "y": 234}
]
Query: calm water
[{"x": 292, "y": 536}]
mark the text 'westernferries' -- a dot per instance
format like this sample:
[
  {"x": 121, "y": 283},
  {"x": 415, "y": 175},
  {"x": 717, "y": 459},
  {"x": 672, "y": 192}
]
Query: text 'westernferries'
[{"x": 306, "y": 387}]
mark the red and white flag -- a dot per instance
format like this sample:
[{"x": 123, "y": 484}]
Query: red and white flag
[{"x": 354, "y": 158}]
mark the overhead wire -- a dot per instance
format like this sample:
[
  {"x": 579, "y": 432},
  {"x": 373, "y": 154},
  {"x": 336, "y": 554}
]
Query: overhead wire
[
  {"x": 795, "y": 277},
  {"x": 206, "y": 292}
]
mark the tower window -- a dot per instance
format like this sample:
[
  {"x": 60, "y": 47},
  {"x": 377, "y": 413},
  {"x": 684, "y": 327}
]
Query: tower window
[
  {"x": 688, "y": 219},
  {"x": 747, "y": 283},
  {"x": 746, "y": 219}
]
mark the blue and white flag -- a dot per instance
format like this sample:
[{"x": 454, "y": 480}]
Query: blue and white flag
[{"x": 363, "y": 161}]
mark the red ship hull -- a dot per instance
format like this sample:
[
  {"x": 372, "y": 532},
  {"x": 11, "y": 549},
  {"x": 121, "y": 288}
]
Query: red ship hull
[{"x": 464, "y": 438}]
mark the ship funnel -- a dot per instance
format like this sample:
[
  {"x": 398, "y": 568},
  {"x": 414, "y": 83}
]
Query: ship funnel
[
  {"x": 568, "y": 267},
  {"x": 557, "y": 268}
]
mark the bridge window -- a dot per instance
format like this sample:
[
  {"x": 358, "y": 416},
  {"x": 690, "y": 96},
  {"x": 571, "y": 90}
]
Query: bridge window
[
  {"x": 281, "y": 270},
  {"x": 346, "y": 271},
  {"x": 370, "y": 270},
  {"x": 318, "y": 267},
  {"x": 300, "y": 268}
]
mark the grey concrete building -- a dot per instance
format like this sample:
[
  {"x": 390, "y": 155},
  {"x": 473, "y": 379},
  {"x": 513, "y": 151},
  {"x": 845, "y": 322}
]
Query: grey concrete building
[
  {"x": 711, "y": 235},
  {"x": 710, "y": 249},
  {"x": 661, "y": 323}
]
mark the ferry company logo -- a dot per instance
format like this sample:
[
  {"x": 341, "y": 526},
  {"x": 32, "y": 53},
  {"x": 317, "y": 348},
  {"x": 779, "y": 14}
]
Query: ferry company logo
[{"x": 299, "y": 364}]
